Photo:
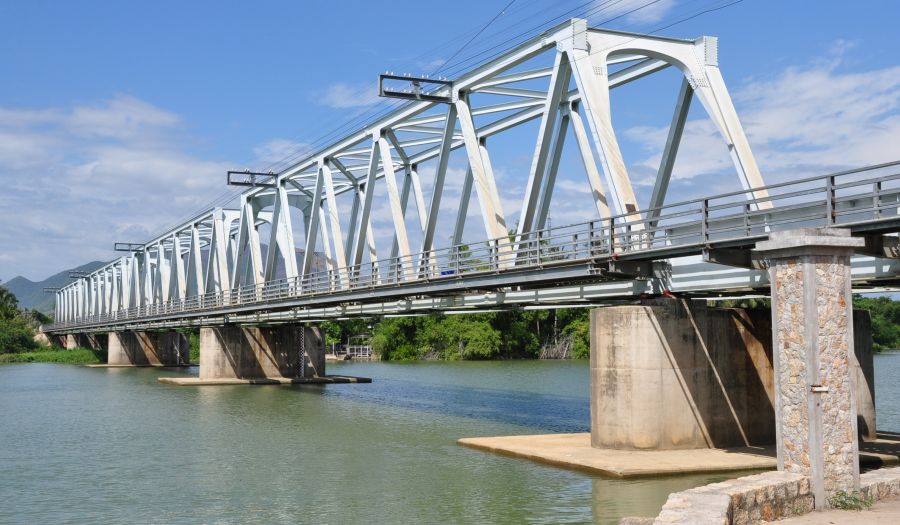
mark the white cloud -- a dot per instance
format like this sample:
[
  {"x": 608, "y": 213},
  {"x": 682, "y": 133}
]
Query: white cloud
[
  {"x": 343, "y": 95},
  {"x": 122, "y": 117},
  {"x": 72, "y": 177},
  {"x": 278, "y": 150},
  {"x": 804, "y": 121}
]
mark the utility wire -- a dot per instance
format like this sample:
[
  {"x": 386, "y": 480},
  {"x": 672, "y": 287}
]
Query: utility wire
[{"x": 581, "y": 10}]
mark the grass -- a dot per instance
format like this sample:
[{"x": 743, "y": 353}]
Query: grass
[
  {"x": 853, "y": 501},
  {"x": 76, "y": 356}
]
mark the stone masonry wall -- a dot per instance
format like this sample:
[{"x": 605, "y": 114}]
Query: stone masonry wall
[{"x": 758, "y": 498}]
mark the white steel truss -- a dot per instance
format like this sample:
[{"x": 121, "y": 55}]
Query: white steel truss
[{"x": 333, "y": 190}]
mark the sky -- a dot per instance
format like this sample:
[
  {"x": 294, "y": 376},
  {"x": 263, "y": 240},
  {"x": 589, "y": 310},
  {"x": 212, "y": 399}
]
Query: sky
[{"x": 118, "y": 119}]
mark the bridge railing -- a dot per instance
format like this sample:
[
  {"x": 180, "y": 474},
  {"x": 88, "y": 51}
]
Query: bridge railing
[{"x": 855, "y": 197}]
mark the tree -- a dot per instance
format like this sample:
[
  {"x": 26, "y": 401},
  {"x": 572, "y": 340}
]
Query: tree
[
  {"x": 9, "y": 304},
  {"x": 16, "y": 331}
]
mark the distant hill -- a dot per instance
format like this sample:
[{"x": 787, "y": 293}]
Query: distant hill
[{"x": 31, "y": 294}]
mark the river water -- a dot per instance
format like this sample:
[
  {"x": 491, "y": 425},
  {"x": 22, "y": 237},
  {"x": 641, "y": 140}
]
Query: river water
[{"x": 81, "y": 445}]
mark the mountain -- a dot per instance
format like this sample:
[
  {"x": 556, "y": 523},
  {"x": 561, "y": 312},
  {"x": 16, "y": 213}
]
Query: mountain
[{"x": 31, "y": 294}]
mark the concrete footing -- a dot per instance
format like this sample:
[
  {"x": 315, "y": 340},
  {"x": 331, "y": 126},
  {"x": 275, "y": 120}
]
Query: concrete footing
[
  {"x": 574, "y": 451},
  {"x": 245, "y": 354},
  {"x": 148, "y": 349},
  {"x": 196, "y": 381}
]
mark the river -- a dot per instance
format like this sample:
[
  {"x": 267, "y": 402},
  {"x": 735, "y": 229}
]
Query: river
[{"x": 81, "y": 445}]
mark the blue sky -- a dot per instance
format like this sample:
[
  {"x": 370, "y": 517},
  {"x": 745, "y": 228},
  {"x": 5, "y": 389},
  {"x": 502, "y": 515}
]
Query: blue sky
[{"x": 119, "y": 118}]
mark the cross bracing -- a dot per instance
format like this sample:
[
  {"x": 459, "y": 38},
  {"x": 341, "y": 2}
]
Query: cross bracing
[{"x": 309, "y": 231}]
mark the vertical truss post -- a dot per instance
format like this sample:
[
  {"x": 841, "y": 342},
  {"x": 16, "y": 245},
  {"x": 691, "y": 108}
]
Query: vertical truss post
[
  {"x": 463, "y": 209},
  {"x": 559, "y": 86},
  {"x": 127, "y": 280},
  {"x": 437, "y": 189},
  {"x": 673, "y": 141},
  {"x": 593, "y": 84},
  {"x": 217, "y": 273},
  {"x": 485, "y": 186},
  {"x": 248, "y": 258},
  {"x": 598, "y": 192},
  {"x": 387, "y": 166},
  {"x": 312, "y": 225},
  {"x": 553, "y": 167},
  {"x": 114, "y": 289},
  {"x": 162, "y": 273},
  {"x": 281, "y": 237},
  {"x": 361, "y": 238},
  {"x": 334, "y": 217},
  {"x": 330, "y": 265},
  {"x": 194, "y": 285},
  {"x": 107, "y": 291},
  {"x": 143, "y": 282},
  {"x": 352, "y": 226},
  {"x": 177, "y": 287}
]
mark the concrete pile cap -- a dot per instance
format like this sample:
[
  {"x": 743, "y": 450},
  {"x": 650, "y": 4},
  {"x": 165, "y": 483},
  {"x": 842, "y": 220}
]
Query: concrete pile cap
[{"x": 809, "y": 241}]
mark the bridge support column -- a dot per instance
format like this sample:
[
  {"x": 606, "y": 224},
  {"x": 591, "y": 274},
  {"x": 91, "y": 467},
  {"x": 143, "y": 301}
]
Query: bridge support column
[
  {"x": 286, "y": 351},
  {"x": 815, "y": 365},
  {"x": 70, "y": 341},
  {"x": 57, "y": 340},
  {"x": 148, "y": 349},
  {"x": 673, "y": 374},
  {"x": 93, "y": 341}
]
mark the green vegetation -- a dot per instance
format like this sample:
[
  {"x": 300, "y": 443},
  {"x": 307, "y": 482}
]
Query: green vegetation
[
  {"x": 17, "y": 327},
  {"x": 193, "y": 335},
  {"x": 511, "y": 334},
  {"x": 885, "y": 314},
  {"x": 76, "y": 356},
  {"x": 850, "y": 501}
]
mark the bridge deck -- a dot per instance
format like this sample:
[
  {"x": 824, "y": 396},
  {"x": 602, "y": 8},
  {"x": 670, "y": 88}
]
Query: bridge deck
[{"x": 581, "y": 262}]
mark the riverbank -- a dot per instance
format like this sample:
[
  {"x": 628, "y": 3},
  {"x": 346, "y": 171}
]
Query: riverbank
[{"x": 75, "y": 356}]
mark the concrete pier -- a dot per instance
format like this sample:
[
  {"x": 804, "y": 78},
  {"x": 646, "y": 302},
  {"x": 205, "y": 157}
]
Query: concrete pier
[
  {"x": 286, "y": 351},
  {"x": 672, "y": 374},
  {"x": 94, "y": 341},
  {"x": 815, "y": 364},
  {"x": 865, "y": 375},
  {"x": 148, "y": 349}
]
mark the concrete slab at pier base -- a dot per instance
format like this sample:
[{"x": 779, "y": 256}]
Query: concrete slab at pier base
[
  {"x": 185, "y": 365},
  {"x": 574, "y": 451},
  {"x": 196, "y": 381}
]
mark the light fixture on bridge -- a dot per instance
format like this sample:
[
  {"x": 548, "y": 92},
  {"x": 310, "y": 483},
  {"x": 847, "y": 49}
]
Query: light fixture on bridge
[
  {"x": 128, "y": 247},
  {"x": 254, "y": 179},
  {"x": 415, "y": 88}
]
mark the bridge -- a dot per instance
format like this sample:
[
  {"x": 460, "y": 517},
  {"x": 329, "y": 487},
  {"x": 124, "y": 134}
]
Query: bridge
[{"x": 255, "y": 283}]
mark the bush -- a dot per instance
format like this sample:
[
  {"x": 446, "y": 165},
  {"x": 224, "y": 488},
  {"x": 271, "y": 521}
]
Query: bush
[
  {"x": 850, "y": 501},
  {"x": 16, "y": 335}
]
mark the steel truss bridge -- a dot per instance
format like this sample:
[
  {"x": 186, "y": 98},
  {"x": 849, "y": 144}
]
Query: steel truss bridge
[{"x": 214, "y": 268}]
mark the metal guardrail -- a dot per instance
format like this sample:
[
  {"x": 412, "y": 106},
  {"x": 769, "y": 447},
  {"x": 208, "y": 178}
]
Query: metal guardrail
[{"x": 867, "y": 198}]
